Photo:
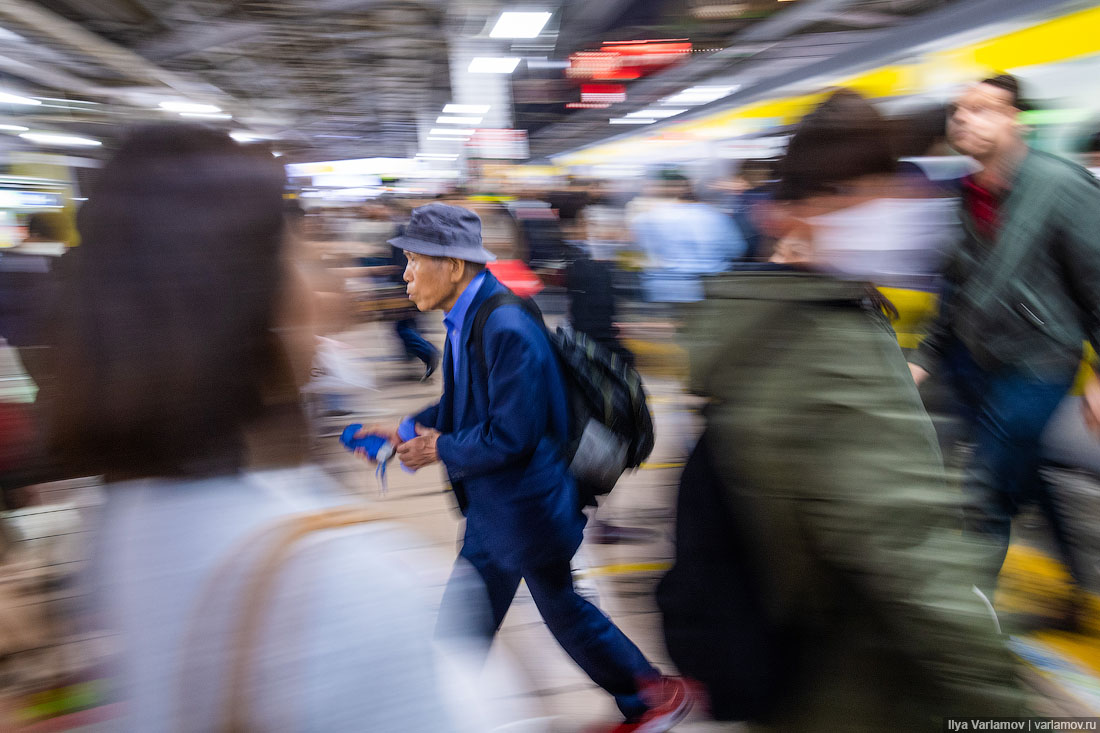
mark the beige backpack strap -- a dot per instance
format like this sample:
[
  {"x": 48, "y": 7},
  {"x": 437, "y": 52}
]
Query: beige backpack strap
[
  {"x": 257, "y": 598},
  {"x": 280, "y": 539}
]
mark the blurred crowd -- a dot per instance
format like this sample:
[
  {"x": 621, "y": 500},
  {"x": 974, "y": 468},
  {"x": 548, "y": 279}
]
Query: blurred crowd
[{"x": 830, "y": 572}]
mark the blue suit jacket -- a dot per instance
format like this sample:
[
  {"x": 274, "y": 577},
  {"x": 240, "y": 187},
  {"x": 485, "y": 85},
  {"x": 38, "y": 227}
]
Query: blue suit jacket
[{"x": 503, "y": 432}]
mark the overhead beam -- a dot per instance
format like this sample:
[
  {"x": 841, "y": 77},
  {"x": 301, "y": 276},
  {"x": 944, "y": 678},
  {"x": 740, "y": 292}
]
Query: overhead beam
[{"x": 111, "y": 55}]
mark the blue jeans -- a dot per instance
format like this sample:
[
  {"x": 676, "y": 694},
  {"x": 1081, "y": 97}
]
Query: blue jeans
[
  {"x": 1007, "y": 413},
  {"x": 590, "y": 638},
  {"x": 415, "y": 344}
]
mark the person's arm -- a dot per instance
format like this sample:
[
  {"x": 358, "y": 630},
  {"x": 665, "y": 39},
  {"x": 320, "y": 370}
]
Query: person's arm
[
  {"x": 925, "y": 358},
  {"x": 519, "y": 378},
  {"x": 731, "y": 242},
  {"x": 428, "y": 416},
  {"x": 1080, "y": 255}
]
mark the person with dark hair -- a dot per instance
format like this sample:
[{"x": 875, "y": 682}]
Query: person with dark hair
[
  {"x": 1023, "y": 294},
  {"x": 922, "y": 132},
  {"x": 867, "y": 219},
  {"x": 820, "y": 581},
  {"x": 237, "y": 604},
  {"x": 741, "y": 194},
  {"x": 499, "y": 430}
]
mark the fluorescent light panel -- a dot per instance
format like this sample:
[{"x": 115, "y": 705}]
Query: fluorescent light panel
[
  {"x": 546, "y": 64},
  {"x": 519, "y": 25},
  {"x": 493, "y": 65},
  {"x": 14, "y": 128},
  {"x": 9, "y": 98},
  {"x": 70, "y": 101},
  {"x": 699, "y": 95},
  {"x": 191, "y": 107},
  {"x": 208, "y": 115},
  {"x": 466, "y": 109},
  {"x": 247, "y": 137},
  {"x": 452, "y": 131},
  {"x": 445, "y": 120},
  {"x": 631, "y": 121},
  {"x": 50, "y": 138},
  {"x": 658, "y": 114}
]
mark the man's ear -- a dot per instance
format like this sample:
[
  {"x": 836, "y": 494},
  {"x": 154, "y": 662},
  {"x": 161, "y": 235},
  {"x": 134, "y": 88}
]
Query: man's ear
[{"x": 456, "y": 269}]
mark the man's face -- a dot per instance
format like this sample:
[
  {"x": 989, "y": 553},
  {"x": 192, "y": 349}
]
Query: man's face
[
  {"x": 430, "y": 281},
  {"x": 984, "y": 121}
]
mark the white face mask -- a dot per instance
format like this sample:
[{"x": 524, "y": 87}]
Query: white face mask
[{"x": 885, "y": 239}]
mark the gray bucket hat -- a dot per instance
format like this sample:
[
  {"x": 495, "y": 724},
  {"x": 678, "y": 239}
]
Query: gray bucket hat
[{"x": 438, "y": 230}]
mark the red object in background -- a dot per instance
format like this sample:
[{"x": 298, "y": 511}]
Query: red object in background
[
  {"x": 16, "y": 435},
  {"x": 626, "y": 60},
  {"x": 517, "y": 276},
  {"x": 612, "y": 93}
]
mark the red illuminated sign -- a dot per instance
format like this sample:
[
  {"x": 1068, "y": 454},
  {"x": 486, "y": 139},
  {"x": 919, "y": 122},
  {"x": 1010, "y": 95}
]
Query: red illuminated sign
[
  {"x": 626, "y": 60},
  {"x": 604, "y": 93}
]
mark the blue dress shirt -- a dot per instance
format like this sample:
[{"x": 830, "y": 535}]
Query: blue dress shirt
[{"x": 456, "y": 316}]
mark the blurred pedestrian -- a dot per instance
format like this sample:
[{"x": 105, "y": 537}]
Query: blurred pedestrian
[
  {"x": 820, "y": 581},
  {"x": 683, "y": 240},
  {"x": 29, "y": 283},
  {"x": 499, "y": 430},
  {"x": 234, "y": 607},
  {"x": 741, "y": 194},
  {"x": 593, "y": 305},
  {"x": 1091, "y": 156},
  {"x": 406, "y": 328},
  {"x": 590, "y": 284},
  {"x": 32, "y": 276},
  {"x": 1023, "y": 294}
]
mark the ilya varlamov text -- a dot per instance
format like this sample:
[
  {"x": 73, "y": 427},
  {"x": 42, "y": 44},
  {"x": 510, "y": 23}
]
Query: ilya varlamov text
[{"x": 1029, "y": 724}]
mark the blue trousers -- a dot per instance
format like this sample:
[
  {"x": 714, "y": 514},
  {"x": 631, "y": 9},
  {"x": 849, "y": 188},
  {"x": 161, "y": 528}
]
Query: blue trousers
[
  {"x": 598, "y": 647},
  {"x": 415, "y": 344},
  {"x": 1007, "y": 413}
]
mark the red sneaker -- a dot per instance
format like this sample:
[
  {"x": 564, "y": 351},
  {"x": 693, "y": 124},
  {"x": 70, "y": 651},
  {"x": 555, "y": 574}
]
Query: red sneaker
[{"x": 670, "y": 701}]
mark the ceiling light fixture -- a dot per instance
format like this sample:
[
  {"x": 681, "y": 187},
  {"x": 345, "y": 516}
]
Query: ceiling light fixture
[
  {"x": 191, "y": 107},
  {"x": 631, "y": 121},
  {"x": 452, "y": 131},
  {"x": 658, "y": 114},
  {"x": 9, "y": 98},
  {"x": 14, "y": 128},
  {"x": 242, "y": 136},
  {"x": 546, "y": 64},
  {"x": 520, "y": 25},
  {"x": 699, "y": 95},
  {"x": 208, "y": 115},
  {"x": 445, "y": 120},
  {"x": 51, "y": 138},
  {"x": 466, "y": 109},
  {"x": 493, "y": 65},
  {"x": 70, "y": 101}
]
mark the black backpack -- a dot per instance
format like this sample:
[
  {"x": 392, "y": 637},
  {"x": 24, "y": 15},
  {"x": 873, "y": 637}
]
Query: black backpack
[{"x": 610, "y": 428}]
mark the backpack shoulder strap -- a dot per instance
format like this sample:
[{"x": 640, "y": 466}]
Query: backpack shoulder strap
[
  {"x": 507, "y": 297},
  {"x": 281, "y": 538}
]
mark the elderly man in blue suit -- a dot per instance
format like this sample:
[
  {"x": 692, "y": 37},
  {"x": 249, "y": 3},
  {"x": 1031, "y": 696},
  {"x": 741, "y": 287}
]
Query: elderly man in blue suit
[{"x": 499, "y": 430}]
